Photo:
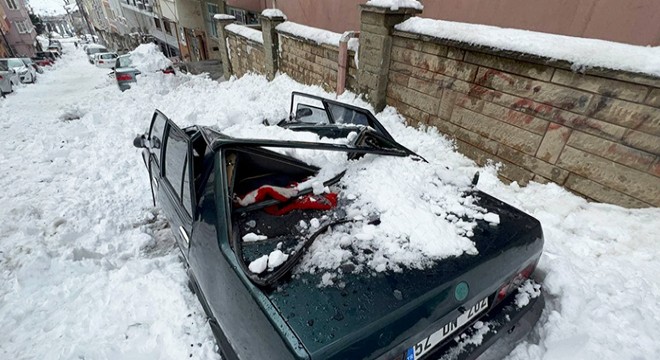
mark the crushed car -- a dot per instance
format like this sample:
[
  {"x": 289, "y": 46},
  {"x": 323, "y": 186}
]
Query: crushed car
[{"x": 231, "y": 200}]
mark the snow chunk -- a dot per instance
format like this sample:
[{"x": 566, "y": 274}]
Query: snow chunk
[
  {"x": 271, "y": 13},
  {"x": 527, "y": 291},
  {"x": 246, "y": 32},
  {"x": 148, "y": 58},
  {"x": 580, "y": 52},
  {"x": 396, "y": 4},
  {"x": 250, "y": 237},
  {"x": 258, "y": 266},
  {"x": 276, "y": 258},
  {"x": 492, "y": 218},
  {"x": 315, "y": 223},
  {"x": 224, "y": 17}
]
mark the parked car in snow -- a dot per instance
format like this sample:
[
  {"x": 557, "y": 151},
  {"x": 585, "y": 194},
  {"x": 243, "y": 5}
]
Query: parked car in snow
[
  {"x": 126, "y": 71},
  {"x": 105, "y": 60},
  {"x": 33, "y": 65},
  {"x": 94, "y": 49},
  {"x": 46, "y": 55},
  {"x": 8, "y": 78},
  {"x": 229, "y": 201},
  {"x": 26, "y": 73}
]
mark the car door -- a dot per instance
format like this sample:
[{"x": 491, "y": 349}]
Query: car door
[{"x": 170, "y": 170}]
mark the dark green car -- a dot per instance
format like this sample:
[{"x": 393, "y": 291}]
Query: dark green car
[{"x": 196, "y": 174}]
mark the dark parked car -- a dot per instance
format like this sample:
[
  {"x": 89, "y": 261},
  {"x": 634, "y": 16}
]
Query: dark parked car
[{"x": 197, "y": 175}]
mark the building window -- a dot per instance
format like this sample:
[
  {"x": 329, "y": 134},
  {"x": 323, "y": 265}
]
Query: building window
[
  {"x": 167, "y": 27},
  {"x": 157, "y": 23},
  {"x": 12, "y": 4},
  {"x": 212, "y": 9},
  {"x": 243, "y": 16},
  {"x": 23, "y": 27}
]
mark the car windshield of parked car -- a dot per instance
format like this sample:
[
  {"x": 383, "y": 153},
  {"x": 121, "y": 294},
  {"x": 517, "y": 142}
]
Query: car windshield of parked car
[
  {"x": 27, "y": 61},
  {"x": 3, "y": 65},
  {"x": 107, "y": 56},
  {"x": 15, "y": 63}
]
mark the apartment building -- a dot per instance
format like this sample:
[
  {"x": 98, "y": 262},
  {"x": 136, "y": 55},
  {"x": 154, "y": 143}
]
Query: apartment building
[
  {"x": 4, "y": 29},
  {"x": 21, "y": 35}
]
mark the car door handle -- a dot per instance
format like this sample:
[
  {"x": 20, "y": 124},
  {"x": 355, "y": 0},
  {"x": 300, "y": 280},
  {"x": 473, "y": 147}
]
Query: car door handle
[{"x": 184, "y": 234}]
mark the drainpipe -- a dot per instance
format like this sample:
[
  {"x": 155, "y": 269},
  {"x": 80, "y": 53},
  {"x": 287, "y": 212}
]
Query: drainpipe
[{"x": 342, "y": 61}]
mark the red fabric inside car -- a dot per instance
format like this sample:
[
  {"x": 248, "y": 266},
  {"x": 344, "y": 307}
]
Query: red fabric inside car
[{"x": 282, "y": 194}]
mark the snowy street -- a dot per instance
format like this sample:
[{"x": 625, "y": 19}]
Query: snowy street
[{"x": 90, "y": 270}]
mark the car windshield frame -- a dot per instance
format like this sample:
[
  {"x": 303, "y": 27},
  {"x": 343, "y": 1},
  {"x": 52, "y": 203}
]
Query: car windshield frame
[{"x": 124, "y": 61}]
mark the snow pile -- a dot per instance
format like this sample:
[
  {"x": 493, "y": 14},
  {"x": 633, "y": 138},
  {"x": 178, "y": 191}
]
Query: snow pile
[
  {"x": 246, "y": 32},
  {"x": 47, "y": 7},
  {"x": 319, "y": 36},
  {"x": 396, "y": 4},
  {"x": 149, "y": 59},
  {"x": 271, "y": 13},
  {"x": 580, "y": 52}
]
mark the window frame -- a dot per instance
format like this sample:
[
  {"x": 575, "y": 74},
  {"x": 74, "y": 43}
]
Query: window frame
[
  {"x": 189, "y": 208},
  {"x": 10, "y": 3}
]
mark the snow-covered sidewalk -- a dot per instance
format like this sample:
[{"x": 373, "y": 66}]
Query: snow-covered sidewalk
[{"x": 89, "y": 270}]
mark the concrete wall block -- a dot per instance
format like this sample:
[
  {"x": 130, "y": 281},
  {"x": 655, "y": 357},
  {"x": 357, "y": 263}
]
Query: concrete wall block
[
  {"x": 436, "y": 64},
  {"x": 534, "y": 71},
  {"x": 326, "y": 63},
  {"x": 367, "y": 80},
  {"x": 499, "y": 131},
  {"x": 654, "y": 169},
  {"x": 430, "y": 88},
  {"x": 603, "y": 86},
  {"x": 413, "y": 98},
  {"x": 475, "y": 139},
  {"x": 598, "y": 192},
  {"x": 544, "y": 111},
  {"x": 405, "y": 43},
  {"x": 455, "y": 53},
  {"x": 413, "y": 116},
  {"x": 373, "y": 57},
  {"x": 533, "y": 164},
  {"x": 398, "y": 78},
  {"x": 553, "y": 142},
  {"x": 622, "y": 154},
  {"x": 629, "y": 181},
  {"x": 653, "y": 98},
  {"x": 443, "y": 126},
  {"x": 547, "y": 93},
  {"x": 373, "y": 29},
  {"x": 642, "y": 141},
  {"x": 634, "y": 116},
  {"x": 374, "y": 41},
  {"x": 434, "y": 49},
  {"x": 519, "y": 119},
  {"x": 447, "y": 104}
]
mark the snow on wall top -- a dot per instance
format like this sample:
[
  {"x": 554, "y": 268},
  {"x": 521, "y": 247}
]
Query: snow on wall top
[
  {"x": 580, "y": 52},
  {"x": 252, "y": 34},
  {"x": 319, "y": 36},
  {"x": 271, "y": 13},
  {"x": 224, "y": 17},
  {"x": 396, "y": 4}
]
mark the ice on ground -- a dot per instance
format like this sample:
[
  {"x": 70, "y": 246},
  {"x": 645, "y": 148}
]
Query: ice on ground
[
  {"x": 580, "y": 52},
  {"x": 492, "y": 218}
]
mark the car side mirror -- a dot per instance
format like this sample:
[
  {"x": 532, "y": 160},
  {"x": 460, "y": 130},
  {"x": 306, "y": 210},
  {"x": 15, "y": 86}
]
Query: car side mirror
[
  {"x": 304, "y": 112},
  {"x": 139, "y": 142}
]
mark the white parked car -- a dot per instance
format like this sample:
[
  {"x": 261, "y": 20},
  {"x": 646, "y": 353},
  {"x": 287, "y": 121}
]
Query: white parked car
[
  {"x": 26, "y": 73},
  {"x": 105, "y": 60},
  {"x": 93, "y": 49},
  {"x": 8, "y": 78}
]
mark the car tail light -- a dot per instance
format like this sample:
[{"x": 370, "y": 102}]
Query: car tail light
[
  {"x": 124, "y": 77},
  {"x": 510, "y": 286},
  {"x": 168, "y": 71},
  {"x": 101, "y": 62}
]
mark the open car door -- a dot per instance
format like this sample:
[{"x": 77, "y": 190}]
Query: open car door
[{"x": 170, "y": 167}]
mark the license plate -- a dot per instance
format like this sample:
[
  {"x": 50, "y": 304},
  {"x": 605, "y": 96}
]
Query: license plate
[{"x": 437, "y": 337}]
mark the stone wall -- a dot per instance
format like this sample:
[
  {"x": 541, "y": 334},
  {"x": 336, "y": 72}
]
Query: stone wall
[
  {"x": 597, "y": 134},
  {"x": 245, "y": 55},
  {"x": 313, "y": 64}
]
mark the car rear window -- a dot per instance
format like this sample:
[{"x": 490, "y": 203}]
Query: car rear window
[
  {"x": 108, "y": 56},
  {"x": 124, "y": 61},
  {"x": 14, "y": 63}
]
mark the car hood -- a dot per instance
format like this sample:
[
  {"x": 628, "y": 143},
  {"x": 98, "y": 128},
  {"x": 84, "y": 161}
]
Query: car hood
[{"x": 371, "y": 313}]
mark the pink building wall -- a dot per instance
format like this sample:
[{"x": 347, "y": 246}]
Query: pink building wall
[{"x": 629, "y": 21}]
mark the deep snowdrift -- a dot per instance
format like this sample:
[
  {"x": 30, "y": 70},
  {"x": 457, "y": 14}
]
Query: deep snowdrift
[{"x": 90, "y": 271}]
